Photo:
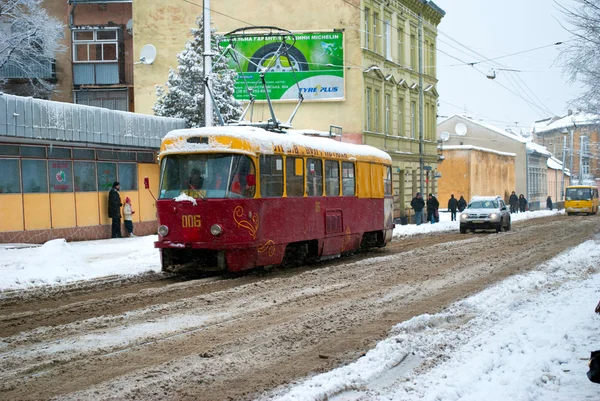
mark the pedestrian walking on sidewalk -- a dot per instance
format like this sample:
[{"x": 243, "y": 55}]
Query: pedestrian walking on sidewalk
[
  {"x": 127, "y": 217},
  {"x": 452, "y": 205},
  {"x": 418, "y": 204}
]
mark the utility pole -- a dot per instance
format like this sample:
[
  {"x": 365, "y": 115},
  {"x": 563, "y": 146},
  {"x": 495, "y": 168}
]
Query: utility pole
[
  {"x": 208, "y": 106},
  {"x": 571, "y": 150},
  {"x": 580, "y": 159},
  {"x": 421, "y": 163},
  {"x": 562, "y": 185}
]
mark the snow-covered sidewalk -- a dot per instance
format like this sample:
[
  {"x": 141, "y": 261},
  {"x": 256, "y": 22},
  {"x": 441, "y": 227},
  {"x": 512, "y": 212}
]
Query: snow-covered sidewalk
[
  {"x": 61, "y": 262},
  {"x": 527, "y": 338}
]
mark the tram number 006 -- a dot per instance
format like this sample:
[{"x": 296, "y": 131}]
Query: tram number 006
[{"x": 191, "y": 221}]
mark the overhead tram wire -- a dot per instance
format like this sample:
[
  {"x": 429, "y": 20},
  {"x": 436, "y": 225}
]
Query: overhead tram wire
[{"x": 517, "y": 53}]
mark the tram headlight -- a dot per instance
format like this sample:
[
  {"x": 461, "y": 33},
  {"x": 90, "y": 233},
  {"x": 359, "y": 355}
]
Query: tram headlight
[
  {"x": 163, "y": 230},
  {"x": 216, "y": 230}
]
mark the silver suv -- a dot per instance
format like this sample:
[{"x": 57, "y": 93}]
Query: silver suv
[{"x": 485, "y": 213}]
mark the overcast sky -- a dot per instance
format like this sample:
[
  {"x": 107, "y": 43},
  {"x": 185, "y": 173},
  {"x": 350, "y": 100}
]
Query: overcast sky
[{"x": 495, "y": 29}]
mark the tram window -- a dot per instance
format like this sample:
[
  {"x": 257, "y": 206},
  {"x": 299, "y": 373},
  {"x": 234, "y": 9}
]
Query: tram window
[
  {"x": 387, "y": 181},
  {"x": 332, "y": 178},
  {"x": 294, "y": 178},
  {"x": 208, "y": 176},
  {"x": 314, "y": 177},
  {"x": 348, "y": 181},
  {"x": 271, "y": 176}
]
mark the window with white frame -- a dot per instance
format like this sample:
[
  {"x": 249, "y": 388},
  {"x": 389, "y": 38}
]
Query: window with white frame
[
  {"x": 400, "y": 46},
  {"x": 400, "y": 116},
  {"x": 95, "y": 46},
  {"x": 585, "y": 167},
  {"x": 368, "y": 109},
  {"x": 585, "y": 145},
  {"x": 387, "y": 121},
  {"x": 413, "y": 117},
  {"x": 375, "y": 31},
  {"x": 367, "y": 30},
  {"x": 387, "y": 38},
  {"x": 376, "y": 114}
]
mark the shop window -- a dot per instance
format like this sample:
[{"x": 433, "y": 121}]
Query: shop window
[
  {"x": 271, "y": 176},
  {"x": 107, "y": 155},
  {"x": 85, "y": 177},
  {"x": 9, "y": 176},
  {"x": 314, "y": 177},
  {"x": 145, "y": 157},
  {"x": 348, "y": 181},
  {"x": 35, "y": 176},
  {"x": 60, "y": 176},
  {"x": 128, "y": 176},
  {"x": 59, "y": 153},
  {"x": 294, "y": 174},
  {"x": 107, "y": 174},
  {"x": 332, "y": 178},
  {"x": 126, "y": 156},
  {"x": 84, "y": 154},
  {"x": 33, "y": 151},
  {"x": 9, "y": 150}
]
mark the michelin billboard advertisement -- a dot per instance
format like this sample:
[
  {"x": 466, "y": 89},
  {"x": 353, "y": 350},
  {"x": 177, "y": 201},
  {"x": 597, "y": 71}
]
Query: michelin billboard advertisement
[{"x": 315, "y": 61}]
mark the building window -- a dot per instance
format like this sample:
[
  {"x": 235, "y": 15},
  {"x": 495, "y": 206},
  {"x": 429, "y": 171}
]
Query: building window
[
  {"x": 9, "y": 150},
  {"x": 294, "y": 176},
  {"x": 128, "y": 176},
  {"x": 60, "y": 175},
  {"x": 108, "y": 99},
  {"x": 585, "y": 167},
  {"x": 377, "y": 111},
  {"x": 348, "y": 184},
  {"x": 413, "y": 52},
  {"x": 314, "y": 177},
  {"x": 59, "y": 153},
  {"x": 33, "y": 151},
  {"x": 367, "y": 29},
  {"x": 431, "y": 70},
  {"x": 413, "y": 119},
  {"x": 271, "y": 176},
  {"x": 368, "y": 109},
  {"x": 85, "y": 177},
  {"x": 387, "y": 121},
  {"x": 9, "y": 176},
  {"x": 35, "y": 176},
  {"x": 332, "y": 178},
  {"x": 145, "y": 157},
  {"x": 400, "y": 116},
  {"x": 107, "y": 174},
  {"x": 585, "y": 145},
  {"x": 96, "y": 46},
  {"x": 387, "y": 40},
  {"x": 375, "y": 31},
  {"x": 400, "y": 46},
  {"x": 84, "y": 154}
]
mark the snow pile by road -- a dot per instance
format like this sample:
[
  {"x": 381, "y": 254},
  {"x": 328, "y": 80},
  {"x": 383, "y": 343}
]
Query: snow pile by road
[
  {"x": 446, "y": 225},
  {"x": 60, "y": 262},
  {"x": 526, "y": 338}
]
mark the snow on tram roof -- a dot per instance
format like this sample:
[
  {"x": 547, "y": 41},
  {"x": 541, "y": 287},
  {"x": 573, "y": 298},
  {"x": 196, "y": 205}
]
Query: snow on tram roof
[{"x": 267, "y": 140}]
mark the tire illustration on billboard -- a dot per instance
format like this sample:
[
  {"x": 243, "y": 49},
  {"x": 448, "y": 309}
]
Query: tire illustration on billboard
[{"x": 266, "y": 57}]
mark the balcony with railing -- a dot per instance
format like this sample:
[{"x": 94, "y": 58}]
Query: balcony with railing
[{"x": 40, "y": 70}]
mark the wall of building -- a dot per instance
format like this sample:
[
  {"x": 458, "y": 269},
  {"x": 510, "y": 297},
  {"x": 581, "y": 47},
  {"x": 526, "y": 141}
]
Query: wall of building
[
  {"x": 555, "y": 186},
  {"x": 468, "y": 173},
  {"x": 478, "y": 135}
]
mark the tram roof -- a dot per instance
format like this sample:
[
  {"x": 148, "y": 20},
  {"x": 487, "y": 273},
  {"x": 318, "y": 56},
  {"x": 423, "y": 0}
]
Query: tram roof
[{"x": 257, "y": 140}]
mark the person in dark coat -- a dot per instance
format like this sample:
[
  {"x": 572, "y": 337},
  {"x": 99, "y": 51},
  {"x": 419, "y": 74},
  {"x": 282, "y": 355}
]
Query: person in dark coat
[
  {"x": 432, "y": 208},
  {"x": 452, "y": 205},
  {"x": 549, "y": 203},
  {"x": 461, "y": 204},
  {"x": 513, "y": 201},
  {"x": 418, "y": 204},
  {"x": 522, "y": 203},
  {"x": 114, "y": 210}
]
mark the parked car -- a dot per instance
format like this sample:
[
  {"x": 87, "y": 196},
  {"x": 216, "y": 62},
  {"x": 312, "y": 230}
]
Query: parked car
[{"x": 485, "y": 213}]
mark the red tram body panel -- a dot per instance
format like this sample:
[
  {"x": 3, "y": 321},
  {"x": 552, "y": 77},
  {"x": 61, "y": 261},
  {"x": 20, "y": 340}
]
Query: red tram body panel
[{"x": 234, "y": 198}]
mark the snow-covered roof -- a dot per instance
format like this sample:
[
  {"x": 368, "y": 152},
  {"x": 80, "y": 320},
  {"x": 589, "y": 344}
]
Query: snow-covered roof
[
  {"x": 555, "y": 164},
  {"x": 577, "y": 119},
  {"x": 471, "y": 147},
  {"x": 534, "y": 147},
  {"x": 258, "y": 140},
  {"x": 491, "y": 127}
]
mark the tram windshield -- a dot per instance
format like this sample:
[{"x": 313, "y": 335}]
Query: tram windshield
[
  {"x": 207, "y": 176},
  {"x": 579, "y": 194}
]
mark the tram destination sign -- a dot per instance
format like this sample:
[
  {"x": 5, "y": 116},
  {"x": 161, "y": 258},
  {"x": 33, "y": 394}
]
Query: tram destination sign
[{"x": 315, "y": 61}]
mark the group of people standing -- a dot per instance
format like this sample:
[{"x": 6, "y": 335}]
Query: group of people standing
[
  {"x": 517, "y": 203},
  {"x": 454, "y": 205},
  {"x": 433, "y": 205},
  {"x": 114, "y": 212}
]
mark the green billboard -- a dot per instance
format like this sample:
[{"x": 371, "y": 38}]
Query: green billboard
[{"x": 315, "y": 60}]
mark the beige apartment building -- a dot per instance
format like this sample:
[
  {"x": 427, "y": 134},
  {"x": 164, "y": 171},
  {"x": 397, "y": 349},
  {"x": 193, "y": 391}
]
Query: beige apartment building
[{"x": 377, "y": 102}]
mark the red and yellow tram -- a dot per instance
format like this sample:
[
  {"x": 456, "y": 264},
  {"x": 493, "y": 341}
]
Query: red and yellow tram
[{"x": 233, "y": 198}]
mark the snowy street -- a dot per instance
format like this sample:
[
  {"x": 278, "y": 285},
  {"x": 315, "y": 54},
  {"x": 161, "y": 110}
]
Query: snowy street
[{"x": 436, "y": 315}]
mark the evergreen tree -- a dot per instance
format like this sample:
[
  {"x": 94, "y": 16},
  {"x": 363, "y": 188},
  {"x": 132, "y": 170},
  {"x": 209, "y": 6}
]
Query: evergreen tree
[{"x": 183, "y": 96}]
